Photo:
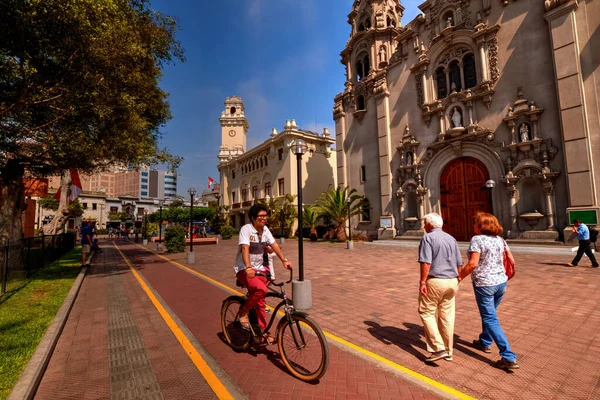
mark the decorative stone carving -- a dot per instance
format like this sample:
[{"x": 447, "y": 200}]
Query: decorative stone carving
[
  {"x": 380, "y": 85},
  {"x": 552, "y": 4},
  {"x": 382, "y": 56},
  {"x": 419, "y": 87},
  {"x": 379, "y": 20},
  {"x": 493, "y": 57},
  {"x": 524, "y": 132}
]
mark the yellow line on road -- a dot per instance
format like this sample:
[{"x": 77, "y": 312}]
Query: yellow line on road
[
  {"x": 215, "y": 384},
  {"x": 438, "y": 385}
]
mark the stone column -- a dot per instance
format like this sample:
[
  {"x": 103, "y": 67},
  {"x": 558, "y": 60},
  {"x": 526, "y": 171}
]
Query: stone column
[
  {"x": 421, "y": 204},
  {"x": 401, "y": 203},
  {"x": 514, "y": 228},
  {"x": 549, "y": 190},
  {"x": 339, "y": 116},
  {"x": 424, "y": 82},
  {"x": 462, "y": 75},
  {"x": 571, "y": 37},
  {"x": 484, "y": 69}
]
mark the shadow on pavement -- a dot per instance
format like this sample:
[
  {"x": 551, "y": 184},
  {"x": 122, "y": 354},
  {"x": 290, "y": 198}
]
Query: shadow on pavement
[{"x": 396, "y": 336}]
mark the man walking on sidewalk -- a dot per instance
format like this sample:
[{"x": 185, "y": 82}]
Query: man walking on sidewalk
[
  {"x": 440, "y": 261},
  {"x": 583, "y": 235}
]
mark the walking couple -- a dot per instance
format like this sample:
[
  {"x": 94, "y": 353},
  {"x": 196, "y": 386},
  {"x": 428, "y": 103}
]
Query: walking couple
[{"x": 441, "y": 271}]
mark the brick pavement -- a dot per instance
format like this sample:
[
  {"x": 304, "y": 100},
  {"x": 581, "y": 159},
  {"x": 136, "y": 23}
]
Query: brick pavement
[
  {"x": 115, "y": 345},
  {"x": 261, "y": 376},
  {"x": 551, "y": 315}
]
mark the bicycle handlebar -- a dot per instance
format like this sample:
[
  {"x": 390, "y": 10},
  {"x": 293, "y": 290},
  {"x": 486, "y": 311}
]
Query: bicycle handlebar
[{"x": 284, "y": 283}]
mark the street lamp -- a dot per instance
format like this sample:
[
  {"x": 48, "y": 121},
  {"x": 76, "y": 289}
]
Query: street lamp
[
  {"x": 489, "y": 185},
  {"x": 350, "y": 244},
  {"x": 302, "y": 292},
  {"x": 218, "y": 197},
  {"x": 145, "y": 234},
  {"x": 191, "y": 256}
]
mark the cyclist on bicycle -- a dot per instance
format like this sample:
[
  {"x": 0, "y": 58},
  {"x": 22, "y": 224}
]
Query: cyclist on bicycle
[{"x": 252, "y": 265}]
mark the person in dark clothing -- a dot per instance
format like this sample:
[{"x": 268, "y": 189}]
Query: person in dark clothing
[{"x": 583, "y": 235}]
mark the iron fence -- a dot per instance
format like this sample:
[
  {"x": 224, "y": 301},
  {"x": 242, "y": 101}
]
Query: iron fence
[{"x": 20, "y": 259}]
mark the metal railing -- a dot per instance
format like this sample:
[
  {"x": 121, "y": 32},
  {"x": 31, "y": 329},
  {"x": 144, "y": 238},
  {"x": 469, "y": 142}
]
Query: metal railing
[{"x": 20, "y": 259}]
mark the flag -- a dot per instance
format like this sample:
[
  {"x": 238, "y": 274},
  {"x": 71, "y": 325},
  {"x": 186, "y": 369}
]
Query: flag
[
  {"x": 76, "y": 187},
  {"x": 210, "y": 181}
]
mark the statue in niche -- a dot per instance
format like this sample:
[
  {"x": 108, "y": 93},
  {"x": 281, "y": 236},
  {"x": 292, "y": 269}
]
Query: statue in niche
[
  {"x": 524, "y": 132},
  {"x": 456, "y": 118},
  {"x": 449, "y": 22},
  {"x": 409, "y": 158},
  {"x": 382, "y": 55}
]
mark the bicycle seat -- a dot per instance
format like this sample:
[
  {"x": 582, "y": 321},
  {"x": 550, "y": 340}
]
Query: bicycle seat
[{"x": 238, "y": 283}]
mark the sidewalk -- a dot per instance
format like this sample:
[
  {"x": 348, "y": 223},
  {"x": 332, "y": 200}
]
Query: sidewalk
[
  {"x": 368, "y": 296},
  {"x": 116, "y": 346}
]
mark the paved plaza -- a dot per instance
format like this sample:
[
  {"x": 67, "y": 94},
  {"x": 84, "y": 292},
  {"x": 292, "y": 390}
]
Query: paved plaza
[{"x": 367, "y": 296}]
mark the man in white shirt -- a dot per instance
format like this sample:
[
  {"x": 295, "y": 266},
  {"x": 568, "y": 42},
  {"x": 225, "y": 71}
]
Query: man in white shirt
[{"x": 252, "y": 265}]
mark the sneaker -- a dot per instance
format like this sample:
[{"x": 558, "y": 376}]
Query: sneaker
[
  {"x": 480, "y": 346},
  {"x": 595, "y": 266},
  {"x": 267, "y": 310},
  {"x": 449, "y": 358},
  {"x": 437, "y": 355},
  {"x": 506, "y": 365},
  {"x": 571, "y": 265}
]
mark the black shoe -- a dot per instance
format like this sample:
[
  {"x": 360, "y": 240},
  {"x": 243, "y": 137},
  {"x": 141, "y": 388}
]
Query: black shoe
[
  {"x": 437, "y": 355},
  {"x": 506, "y": 365},
  {"x": 595, "y": 266},
  {"x": 480, "y": 346}
]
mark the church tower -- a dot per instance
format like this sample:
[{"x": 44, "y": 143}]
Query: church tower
[{"x": 234, "y": 127}]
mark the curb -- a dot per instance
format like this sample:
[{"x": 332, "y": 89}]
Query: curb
[{"x": 31, "y": 377}]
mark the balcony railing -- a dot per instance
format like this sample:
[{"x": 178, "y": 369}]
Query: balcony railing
[
  {"x": 247, "y": 203},
  {"x": 235, "y": 205}
]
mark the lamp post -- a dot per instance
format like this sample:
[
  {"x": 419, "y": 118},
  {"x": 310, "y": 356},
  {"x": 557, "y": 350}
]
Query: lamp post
[
  {"x": 349, "y": 244},
  {"x": 160, "y": 221},
  {"x": 489, "y": 185},
  {"x": 218, "y": 197},
  {"x": 145, "y": 233},
  {"x": 302, "y": 292},
  {"x": 191, "y": 256}
]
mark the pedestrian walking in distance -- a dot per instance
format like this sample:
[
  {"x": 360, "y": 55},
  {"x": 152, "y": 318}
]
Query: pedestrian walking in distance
[
  {"x": 440, "y": 262},
  {"x": 585, "y": 245},
  {"x": 486, "y": 262}
]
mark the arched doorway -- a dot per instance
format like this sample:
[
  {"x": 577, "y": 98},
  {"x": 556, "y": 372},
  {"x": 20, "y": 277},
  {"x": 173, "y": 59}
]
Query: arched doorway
[{"x": 463, "y": 194}]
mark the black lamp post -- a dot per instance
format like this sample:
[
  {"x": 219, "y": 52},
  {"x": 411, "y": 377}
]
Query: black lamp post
[
  {"x": 350, "y": 244},
  {"x": 218, "y": 197},
  {"x": 145, "y": 234},
  {"x": 160, "y": 221},
  {"x": 300, "y": 148},
  {"x": 489, "y": 185},
  {"x": 192, "y": 193}
]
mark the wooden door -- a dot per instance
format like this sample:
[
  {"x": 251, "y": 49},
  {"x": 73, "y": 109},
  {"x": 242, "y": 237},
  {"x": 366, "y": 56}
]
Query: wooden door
[{"x": 463, "y": 194}]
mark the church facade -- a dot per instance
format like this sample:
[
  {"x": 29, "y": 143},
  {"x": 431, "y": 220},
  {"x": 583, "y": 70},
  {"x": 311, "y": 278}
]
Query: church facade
[{"x": 475, "y": 105}]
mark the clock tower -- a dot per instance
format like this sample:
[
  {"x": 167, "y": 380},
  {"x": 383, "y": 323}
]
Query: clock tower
[{"x": 234, "y": 127}]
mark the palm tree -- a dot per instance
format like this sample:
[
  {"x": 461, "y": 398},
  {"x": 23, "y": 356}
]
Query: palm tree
[
  {"x": 310, "y": 218},
  {"x": 334, "y": 204},
  {"x": 288, "y": 211}
]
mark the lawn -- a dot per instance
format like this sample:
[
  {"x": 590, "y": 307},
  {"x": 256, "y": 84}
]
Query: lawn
[{"x": 26, "y": 314}]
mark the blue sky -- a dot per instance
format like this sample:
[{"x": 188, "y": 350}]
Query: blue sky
[{"x": 280, "y": 56}]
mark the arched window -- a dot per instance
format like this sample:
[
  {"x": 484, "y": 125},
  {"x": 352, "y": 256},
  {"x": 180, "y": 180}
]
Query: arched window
[
  {"x": 359, "y": 70},
  {"x": 366, "y": 210},
  {"x": 232, "y": 110},
  {"x": 367, "y": 22},
  {"x": 440, "y": 77},
  {"x": 360, "y": 102},
  {"x": 391, "y": 21},
  {"x": 470, "y": 71},
  {"x": 455, "y": 83},
  {"x": 361, "y": 27},
  {"x": 367, "y": 65}
]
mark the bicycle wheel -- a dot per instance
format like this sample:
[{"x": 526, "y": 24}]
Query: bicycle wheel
[
  {"x": 235, "y": 335},
  {"x": 303, "y": 347}
]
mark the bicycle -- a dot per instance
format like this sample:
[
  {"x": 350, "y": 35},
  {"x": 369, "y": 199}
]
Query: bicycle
[{"x": 295, "y": 334}]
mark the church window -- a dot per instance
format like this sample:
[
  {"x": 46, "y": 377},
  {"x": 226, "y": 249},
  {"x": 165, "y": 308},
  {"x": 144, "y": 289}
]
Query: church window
[
  {"x": 440, "y": 76},
  {"x": 232, "y": 110},
  {"x": 470, "y": 71},
  {"x": 366, "y": 65},
  {"x": 359, "y": 70},
  {"x": 455, "y": 81},
  {"x": 360, "y": 102},
  {"x": 368, "y": 23},
  {"x": 366, "y": 211},
  {"x": 361, "y": 27},
  {"x": 391, "y": 21}
]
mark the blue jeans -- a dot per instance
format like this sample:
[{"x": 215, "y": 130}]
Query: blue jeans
[{"x": 488, "y": 299}]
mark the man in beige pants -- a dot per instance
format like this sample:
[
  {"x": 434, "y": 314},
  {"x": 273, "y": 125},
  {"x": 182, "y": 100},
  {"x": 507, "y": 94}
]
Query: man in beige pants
[{"x": 440, "y": 262}]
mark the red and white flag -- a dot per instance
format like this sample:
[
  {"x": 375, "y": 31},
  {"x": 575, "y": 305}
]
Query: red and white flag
[
  {"x": 76, "y": 187},
  {"x": 210, "y": 181}
]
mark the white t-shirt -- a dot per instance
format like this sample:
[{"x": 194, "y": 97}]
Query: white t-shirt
[
  {"x": 250, "y": 236},
  {"x": 490, "y": 270}
]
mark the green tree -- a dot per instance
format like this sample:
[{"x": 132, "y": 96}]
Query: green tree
[
  {"x": 79, "y": 89},
  {"x": 334, "y": 204},
  {"x": 287, "y": 213},
  {"x": 48, "y": 203},
  {"x": 75, "y": 209},
  {"x": 310, "y": 217}
]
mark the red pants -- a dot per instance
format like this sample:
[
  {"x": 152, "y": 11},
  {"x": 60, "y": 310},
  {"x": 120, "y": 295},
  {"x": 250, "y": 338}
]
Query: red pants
[{"x": 258, "y": 288}]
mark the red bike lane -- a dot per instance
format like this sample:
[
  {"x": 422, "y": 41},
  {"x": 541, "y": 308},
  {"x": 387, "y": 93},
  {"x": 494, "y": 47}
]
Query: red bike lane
[{"x": 262, "y": 375}]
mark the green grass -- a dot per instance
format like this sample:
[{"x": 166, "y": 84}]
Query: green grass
[{"x": 26, "y": 314}]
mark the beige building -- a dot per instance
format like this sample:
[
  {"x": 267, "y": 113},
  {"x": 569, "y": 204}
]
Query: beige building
[
  {"x": 474, "y": 105},
  {"x": 269, "y": 169}
]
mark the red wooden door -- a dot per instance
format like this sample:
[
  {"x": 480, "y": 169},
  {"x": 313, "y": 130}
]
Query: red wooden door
[{"x": 463, "y": 194}]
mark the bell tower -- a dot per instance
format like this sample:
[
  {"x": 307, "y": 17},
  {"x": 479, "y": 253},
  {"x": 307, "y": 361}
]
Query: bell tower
[{"x": 234, "y": 127}]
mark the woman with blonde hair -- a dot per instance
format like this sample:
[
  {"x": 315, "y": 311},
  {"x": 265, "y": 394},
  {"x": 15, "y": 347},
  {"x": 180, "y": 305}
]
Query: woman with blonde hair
[{"x": 486, "y": 262}]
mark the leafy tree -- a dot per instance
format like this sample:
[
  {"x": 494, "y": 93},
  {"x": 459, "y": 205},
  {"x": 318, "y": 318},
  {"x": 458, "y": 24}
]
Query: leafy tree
[
  {"x": 288, "y": 211},
  {"x": 175, "y": 239},
  {"x": 79, "y": 89},
  {"x": 309, "y": 219},
  {"x": 75, "y": 209},
  {"x": 177, "y": 203},
  {"x": 334, "y": 205},
  {"x": 48, "y": 203}
]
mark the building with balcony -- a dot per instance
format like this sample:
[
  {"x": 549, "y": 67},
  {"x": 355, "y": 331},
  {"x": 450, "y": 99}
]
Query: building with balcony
[{"x": 269, "y": 169}]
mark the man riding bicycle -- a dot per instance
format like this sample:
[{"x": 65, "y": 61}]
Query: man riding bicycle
[{"x": 252, "y": 265}]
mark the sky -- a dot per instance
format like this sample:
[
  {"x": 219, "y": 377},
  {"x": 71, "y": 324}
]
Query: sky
[{"x": 281, "y": 56}]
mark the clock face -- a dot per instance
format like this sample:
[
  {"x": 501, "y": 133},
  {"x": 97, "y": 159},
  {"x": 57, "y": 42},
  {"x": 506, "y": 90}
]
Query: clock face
[{"x": 232, "y": 133}]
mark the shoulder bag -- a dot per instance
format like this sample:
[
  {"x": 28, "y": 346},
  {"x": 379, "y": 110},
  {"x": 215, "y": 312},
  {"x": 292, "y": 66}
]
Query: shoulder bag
[{"x": 509, "y": 263}]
